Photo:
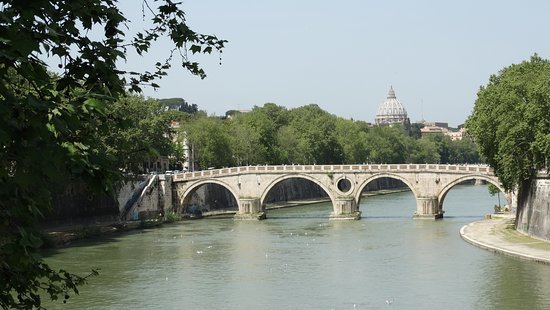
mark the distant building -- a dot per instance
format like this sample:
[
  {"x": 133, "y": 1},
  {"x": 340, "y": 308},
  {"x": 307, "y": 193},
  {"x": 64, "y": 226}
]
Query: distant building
[
  {"x": 164, "y": 163},
  {"x": 457, "y": 135},
  {"x": 391, "y": 111},
  {"x": 435, "y": 124},
  {"x": 158, "y": 164},
  {"x": 441, "y": 128},
  {"x": 427, "y": 130}
]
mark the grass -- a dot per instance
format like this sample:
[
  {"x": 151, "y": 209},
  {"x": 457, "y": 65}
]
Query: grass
[{"x": 511, "y": 234}]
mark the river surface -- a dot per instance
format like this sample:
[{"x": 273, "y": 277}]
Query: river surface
[{"x": 298, "y": 259}]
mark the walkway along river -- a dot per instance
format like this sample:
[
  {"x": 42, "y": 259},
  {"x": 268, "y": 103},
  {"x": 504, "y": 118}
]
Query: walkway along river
[{"x": 298, "y": 259}]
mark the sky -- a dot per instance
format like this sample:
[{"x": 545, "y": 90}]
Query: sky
[{"x": 345, "y": 55}]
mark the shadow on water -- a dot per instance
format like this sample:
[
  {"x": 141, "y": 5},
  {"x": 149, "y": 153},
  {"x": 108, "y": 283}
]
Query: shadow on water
[{"x": 94, "y": 241}]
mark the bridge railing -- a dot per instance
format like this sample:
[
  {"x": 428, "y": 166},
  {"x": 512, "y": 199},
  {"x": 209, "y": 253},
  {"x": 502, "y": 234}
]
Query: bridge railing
[{"x": 483, "y": 169}]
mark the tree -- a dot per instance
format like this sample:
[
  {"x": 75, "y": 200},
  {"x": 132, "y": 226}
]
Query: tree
[
  {"x": 261, "y": 125},
  {"x": 246, "y": 144},
  {"x": 352, "y": 138},
  {"x": 316, "y": 131},
  {"x": 464, "y": 152},
  {"x": 293, "y": 147},
  {"x": 443, "y": 144},
  {"x": 277, "y": 114},
  {"x": 179, "y": 104},
  {"x": 493, "y": 190},
  {"x": 424, "y": 151},
  {"x": 388, "y": 144},
  {"x": 415, "y": 130},
  {"x": 211, "y": 143},
  {"x": 510, "y": 122},
  {"x": 46, "y": 120},
  {"x": 139, "y": 129}
]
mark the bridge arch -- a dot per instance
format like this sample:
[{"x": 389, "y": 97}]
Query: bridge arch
[
  {"x": 445, "y": 190},
  {"x": 189, "y": 191},
  {"x": 295, "y": 176},
  {"x": 364, "y": 184}
]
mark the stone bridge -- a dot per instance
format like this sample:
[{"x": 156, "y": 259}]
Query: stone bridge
[{"x": 344, "y": 184}]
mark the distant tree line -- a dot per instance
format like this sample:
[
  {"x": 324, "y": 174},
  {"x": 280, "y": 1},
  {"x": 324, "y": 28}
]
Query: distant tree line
[
  {"x": 272, "y": 134},
  {"x": 269, "y": 134},
  {"x": 179, "y": 104}
]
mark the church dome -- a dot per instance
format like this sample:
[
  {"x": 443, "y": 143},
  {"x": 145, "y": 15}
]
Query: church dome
[{"x": 391, "y": 111}]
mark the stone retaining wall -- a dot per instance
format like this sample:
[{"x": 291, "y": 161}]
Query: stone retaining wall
[{"x": 533, "y": 214}]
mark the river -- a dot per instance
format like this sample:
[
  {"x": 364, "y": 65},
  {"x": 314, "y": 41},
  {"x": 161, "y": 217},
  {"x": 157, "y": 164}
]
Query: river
[{"x": 298, "y": 259}]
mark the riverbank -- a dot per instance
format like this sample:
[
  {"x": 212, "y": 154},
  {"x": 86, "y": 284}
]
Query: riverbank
[{"x": 497, "y": 234}]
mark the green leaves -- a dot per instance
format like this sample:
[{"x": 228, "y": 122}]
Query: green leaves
[
  {"x": 308, "y": 135},
  {"x": 210, "y": 141},
  {"x": 510, "y": 122},
  {"x": 195, "y": 49},
  {"x": 95, "y": 104},
  {"x": 55, "y": 128}
]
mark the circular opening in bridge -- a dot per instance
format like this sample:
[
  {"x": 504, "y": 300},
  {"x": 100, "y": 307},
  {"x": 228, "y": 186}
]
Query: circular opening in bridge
[{"x": 344, "y": 185}]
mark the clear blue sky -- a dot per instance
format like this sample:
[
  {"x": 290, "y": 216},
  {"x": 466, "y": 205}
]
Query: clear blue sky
[{"x": 344, "y": 55}]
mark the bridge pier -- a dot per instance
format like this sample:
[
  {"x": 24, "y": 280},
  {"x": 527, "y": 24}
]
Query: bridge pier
[
  {"x": 428, "y": 208},
  {"x": 250, "y": 209},
  {"x": 345, "y": 208}
]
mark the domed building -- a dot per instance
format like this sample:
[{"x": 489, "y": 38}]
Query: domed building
[{"x": 392, "y": 112}]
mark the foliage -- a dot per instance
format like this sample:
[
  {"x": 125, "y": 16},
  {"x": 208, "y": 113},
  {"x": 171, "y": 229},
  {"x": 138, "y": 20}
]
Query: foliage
[
  {"x": 49, "y": 125},
  {"x": 246, "y": 144},
  {"x": 171, "y": 217},
  {"x": 443, "y": 146},
  {"x": 264, "y": 129},
  {"x": 425, "y": 151},
  {"x": 414, "y": 131},
  {"x": 139, "y": 130},
  {"x": 511, "y": 120},
  {"x": 388, "y": 145},
  {"x": 179, "y": 104},
  {"x": 464, "y": 151},
  {"x": 353, "y": 140},
  {"x": 493, "y": 190},
  {"x": 272, "y": 134},
  {"x": 293, "y": 149},
  {"x": 210, "y": 140},
  {"x": 315, "y": 129}
]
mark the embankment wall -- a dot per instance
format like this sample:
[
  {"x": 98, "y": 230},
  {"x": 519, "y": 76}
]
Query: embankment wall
[{"x": 533, "y": 213}]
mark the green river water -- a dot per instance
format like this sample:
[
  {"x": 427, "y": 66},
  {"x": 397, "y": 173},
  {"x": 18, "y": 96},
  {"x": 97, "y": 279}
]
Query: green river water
[{"x": 298, "y": 259}]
